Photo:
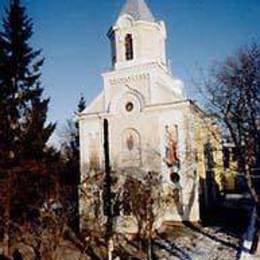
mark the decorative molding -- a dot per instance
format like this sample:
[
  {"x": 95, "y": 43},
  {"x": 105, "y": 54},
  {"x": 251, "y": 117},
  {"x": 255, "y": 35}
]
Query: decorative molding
[{"x": 132, "y": 78}]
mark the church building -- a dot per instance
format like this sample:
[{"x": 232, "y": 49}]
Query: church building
[{"x": 153, "y": 127}]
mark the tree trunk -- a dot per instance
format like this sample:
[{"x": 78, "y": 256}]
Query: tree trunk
[
  {"x": 255, "y": 198},
  {"x": 108, "y": 192},
  {"x": 7, "y": 217},
  {"x": 150, "y": 249}
]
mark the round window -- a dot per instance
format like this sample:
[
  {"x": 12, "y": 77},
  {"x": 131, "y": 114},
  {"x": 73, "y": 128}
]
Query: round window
[{"x": 129, "y": 107}]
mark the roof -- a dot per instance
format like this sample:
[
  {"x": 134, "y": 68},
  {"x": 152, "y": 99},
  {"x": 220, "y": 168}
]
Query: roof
[
  {"x": 138, "y": 9},
  {"x": 96, "y": 106}
]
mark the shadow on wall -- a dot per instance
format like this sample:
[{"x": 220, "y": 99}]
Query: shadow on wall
[
  {"x": 209, "y": 193},
  {"x": 184, "y": 209},
  {"x": 209, "y": 196}
]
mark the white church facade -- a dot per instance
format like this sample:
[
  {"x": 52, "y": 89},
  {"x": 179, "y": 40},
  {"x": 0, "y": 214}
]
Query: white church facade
[{"x": 152, "y": 126}]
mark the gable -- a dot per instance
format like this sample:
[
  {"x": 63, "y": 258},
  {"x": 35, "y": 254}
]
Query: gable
[{"x": 96, "y": 106}]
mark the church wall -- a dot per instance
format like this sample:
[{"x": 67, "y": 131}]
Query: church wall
[
  {"x": 164, "y": 87},
  {"x": 155, "y": 51},
  {"x": 209, "y": 158},
  {"x": 147, "y": 150},
  {"x": 120, "y": 87},
  {"x": 151, "y": 81},
  {"x": 162, "y": 94},
  {"x": 179, "y": 116},
  {"x": 90, "y": 144},
  {"x": 148, "y": 127},
  {"x": 119, "y": 84}
]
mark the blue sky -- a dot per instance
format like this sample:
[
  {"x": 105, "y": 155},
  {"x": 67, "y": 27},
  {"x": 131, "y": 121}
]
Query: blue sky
[{"x": 72, "y": 34}]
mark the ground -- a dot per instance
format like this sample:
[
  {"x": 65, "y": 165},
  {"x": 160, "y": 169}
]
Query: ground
[
  {"x": 220, "y": 239},
  {"x": 195, "y": 242},
  {"x": 189, "y": 242},
  {"x": 186, "y": 243}
]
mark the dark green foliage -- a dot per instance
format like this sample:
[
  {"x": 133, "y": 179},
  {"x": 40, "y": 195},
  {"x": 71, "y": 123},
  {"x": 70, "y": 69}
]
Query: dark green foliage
[
  {"x": 82, "y": 104},
  {"x": 71, "y": 171},
  {"x": 28, "y": 173},
  {"x": 71, "y": 145},
  {"x": 23, "y": 113}
]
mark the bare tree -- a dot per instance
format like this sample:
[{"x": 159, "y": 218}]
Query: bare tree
[
  {"x": 143, "y": 200},
  {"x": 233, "y": 96}
]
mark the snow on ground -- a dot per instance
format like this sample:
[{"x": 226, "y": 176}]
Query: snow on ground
[{"x": 197, "y": 243}]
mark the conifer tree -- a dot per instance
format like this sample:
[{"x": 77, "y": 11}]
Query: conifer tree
[
  {"x": 71, "y": 174},
  {"x": 72, "y": 144},
  {"x": 23, "y": 130},
  {"x": 26, "y": 180},
  {"x": 81, "y": 107},
  {"x": 82, "y": 104}
]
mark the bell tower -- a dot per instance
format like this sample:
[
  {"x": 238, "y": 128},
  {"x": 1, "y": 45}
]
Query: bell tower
[{"x": 137, "y": 38}]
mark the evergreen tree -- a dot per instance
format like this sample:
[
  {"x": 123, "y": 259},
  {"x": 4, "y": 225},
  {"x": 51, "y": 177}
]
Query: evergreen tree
[
  {"x": 72, "y": 144},
  {"x": 23, "y": 130},
  {"x": 27, "y": 172},
  {"x": 71, "y": 174},
  {"x": 81, "y": 107},
  {"x": 82, "y": 104}
]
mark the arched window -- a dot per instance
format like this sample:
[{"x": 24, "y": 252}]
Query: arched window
[{"x": 129, "y": 52}]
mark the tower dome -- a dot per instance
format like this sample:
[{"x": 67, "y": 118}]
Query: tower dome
[{"x": 138, "y": 9}]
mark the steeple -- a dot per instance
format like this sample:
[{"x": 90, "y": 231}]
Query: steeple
[
  {"x": 138, "y": 9},
  {"x": 137, "y": 37}
]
